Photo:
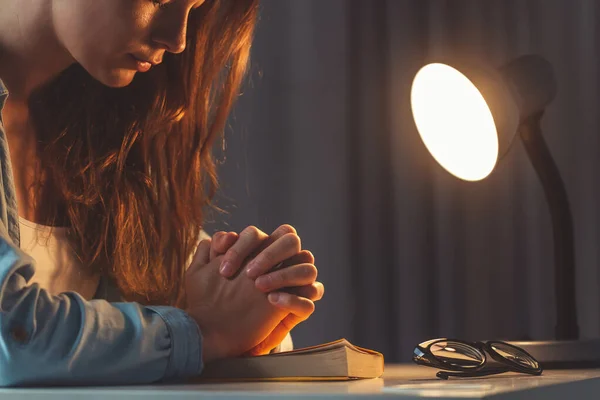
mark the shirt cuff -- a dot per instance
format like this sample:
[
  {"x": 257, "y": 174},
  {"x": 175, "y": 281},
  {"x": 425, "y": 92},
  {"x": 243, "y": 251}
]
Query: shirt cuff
[{"x": 186, "y": 343}]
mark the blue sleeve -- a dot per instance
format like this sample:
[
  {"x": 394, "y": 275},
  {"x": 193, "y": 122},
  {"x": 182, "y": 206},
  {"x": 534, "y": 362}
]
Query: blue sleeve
[{"x": 65, "y": 339}]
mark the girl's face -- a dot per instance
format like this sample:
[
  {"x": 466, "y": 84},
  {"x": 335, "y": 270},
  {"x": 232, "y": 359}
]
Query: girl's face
[{"x": 108, "y": 37}]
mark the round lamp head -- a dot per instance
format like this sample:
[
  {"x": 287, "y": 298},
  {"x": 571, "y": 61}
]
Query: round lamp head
[
  {"x": 467, "y": 114},
  {"x": 454, "y": 121}
]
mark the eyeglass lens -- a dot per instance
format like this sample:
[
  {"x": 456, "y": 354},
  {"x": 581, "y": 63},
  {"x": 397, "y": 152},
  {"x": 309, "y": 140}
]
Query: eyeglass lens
[
  {"x": 515, "y": 355},
  {"x": 457, "y": 354}
]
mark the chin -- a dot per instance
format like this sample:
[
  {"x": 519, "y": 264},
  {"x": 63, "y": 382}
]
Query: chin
[
  {"x": 118, "y": 78},
  {"x": 115, "y": 77}
]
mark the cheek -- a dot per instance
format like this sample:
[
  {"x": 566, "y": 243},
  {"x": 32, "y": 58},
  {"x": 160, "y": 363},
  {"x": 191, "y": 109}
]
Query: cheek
[{"x": 99, "y": 34}]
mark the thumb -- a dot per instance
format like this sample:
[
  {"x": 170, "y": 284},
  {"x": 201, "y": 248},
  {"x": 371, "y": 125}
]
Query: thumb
[{"x": 275, "y": 338}]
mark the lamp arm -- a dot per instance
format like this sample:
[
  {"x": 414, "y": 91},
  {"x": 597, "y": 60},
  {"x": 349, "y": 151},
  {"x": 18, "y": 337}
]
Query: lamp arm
[{"x": 562, "y": 226}]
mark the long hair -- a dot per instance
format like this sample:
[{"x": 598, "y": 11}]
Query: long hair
[{"x": 130, "y": 170}]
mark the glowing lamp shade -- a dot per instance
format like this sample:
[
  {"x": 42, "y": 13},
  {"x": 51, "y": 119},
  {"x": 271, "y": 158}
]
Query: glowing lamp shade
[{"x": 454, "y": 122}]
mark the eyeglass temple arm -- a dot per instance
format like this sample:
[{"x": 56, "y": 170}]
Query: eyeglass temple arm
[{"x": 485, "y": 372}]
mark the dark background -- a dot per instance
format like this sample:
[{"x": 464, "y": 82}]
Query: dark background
[{"x": 323, "y": 139}]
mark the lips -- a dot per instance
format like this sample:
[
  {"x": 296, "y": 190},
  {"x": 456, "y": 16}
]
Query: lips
[
  {"x": 148, "y": 60},
  {"x": 141, "y": 65}
]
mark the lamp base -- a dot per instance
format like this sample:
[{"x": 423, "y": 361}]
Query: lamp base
[{"x": 563, "y": 354}]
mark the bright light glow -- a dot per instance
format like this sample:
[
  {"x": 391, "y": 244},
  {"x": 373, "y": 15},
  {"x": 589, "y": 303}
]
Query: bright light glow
[{"x": 454, "y": 122}]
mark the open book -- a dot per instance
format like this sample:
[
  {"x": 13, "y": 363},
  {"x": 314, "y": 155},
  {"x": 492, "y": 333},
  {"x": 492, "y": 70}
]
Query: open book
[{"x": 339, "y": 360}]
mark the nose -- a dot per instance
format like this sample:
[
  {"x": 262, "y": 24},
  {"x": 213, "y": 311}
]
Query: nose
[{"x": 171, "y": 34}]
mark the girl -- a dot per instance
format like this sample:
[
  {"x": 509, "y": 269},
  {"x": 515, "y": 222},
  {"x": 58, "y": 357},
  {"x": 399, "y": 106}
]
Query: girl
[{"x": 110, "y": 109}]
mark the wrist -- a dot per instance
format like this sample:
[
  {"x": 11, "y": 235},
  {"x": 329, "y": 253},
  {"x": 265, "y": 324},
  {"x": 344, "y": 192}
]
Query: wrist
[
  {"x": 214, "y": 348},
  {"x": 209, "y": 350},
  {"x": 211, "y": 346}
]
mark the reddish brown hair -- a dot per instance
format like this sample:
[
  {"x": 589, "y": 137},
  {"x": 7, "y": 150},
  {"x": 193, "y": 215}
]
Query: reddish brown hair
[{"x": 130, "y": 170}]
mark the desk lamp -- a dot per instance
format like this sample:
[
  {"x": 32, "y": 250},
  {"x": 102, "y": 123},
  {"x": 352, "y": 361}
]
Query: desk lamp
[{"x": 467, "y": 116}]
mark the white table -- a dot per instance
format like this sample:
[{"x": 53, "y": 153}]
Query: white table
[{"x": 399, "y": 381}]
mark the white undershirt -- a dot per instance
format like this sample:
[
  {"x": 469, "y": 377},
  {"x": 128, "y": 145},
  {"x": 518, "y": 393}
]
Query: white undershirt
[{"x": 58, "y": 269}]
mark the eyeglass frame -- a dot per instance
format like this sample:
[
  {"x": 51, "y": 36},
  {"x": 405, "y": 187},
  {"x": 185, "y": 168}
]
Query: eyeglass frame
[{"x": 428, "y": 359}]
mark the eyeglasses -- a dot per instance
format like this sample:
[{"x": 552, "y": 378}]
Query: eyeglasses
[{"x": 469, "y": 359}]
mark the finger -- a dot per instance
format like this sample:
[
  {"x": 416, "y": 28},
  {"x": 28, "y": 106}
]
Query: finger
[
  {"x": 283, "y": 248},
  {"x": 296, "y": 275},
  {"x": 222, "y": 243},
  {"x": 304, "y": 257},
  {"x": 215, "y": 239},
  {"x": 246, "y": 244},
  {"x": 276, "y": 336},
  {"x": 277, "y": 233},
  {"x": 299, "y": 307},
  {"x": 201, "y": 257},
  {"x": 312, "y": 292}
]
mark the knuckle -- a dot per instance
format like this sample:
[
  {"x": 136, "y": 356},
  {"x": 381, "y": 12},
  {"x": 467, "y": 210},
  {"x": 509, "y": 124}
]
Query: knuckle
[
  {"x": 309, "y": 256},
  {"x": 305, "y": 272},
  {"x": 309, "y": 307},
  {"x": 252, "y": 232},
  {"x": 292, "y": 241},
  {"x": 232, "y": 255},
  {"x": 286, "y": 228},
  {"x": 312, "y": 292},
  {"x": 318, "y": 296},
  {"x": 311, "y": 271}
]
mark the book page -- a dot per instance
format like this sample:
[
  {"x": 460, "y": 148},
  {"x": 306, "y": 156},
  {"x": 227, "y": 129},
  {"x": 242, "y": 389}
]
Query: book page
[{"x": 323, "y": 347}]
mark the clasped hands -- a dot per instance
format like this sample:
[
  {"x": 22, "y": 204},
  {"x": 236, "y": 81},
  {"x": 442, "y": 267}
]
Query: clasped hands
[{"x": 241, "y": 305}]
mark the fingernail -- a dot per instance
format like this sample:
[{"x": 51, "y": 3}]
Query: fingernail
[
  {"x": 252, "y": 270},
  {"x": 262, "y": 282},
  {"x": 226, "y": 268},
  {"x": 273, "y": 297}
]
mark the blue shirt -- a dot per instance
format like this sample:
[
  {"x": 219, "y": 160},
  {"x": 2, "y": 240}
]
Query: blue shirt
[{"x": 65, "y": 339}]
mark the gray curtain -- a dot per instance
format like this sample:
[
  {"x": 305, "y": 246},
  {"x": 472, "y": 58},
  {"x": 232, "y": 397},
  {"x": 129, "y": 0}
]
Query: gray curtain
[{"x": 323, "y": 139}]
